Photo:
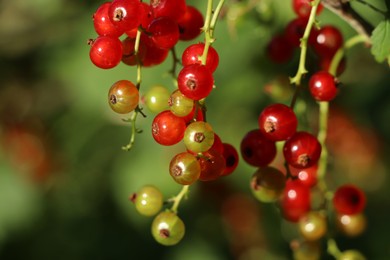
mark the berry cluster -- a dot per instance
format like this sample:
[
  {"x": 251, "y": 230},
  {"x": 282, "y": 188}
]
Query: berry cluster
[
  {"x": 142, "y": 35},
  {"x": 299, "y": 188},
  {"x": 149, "y": 32}
]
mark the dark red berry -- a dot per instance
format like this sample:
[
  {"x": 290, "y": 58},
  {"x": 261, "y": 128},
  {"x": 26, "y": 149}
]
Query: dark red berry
[
  {"x": 168, "y": 129},
  {"x": 329, "y": 39},
  {"x": 302, "y": 150},
  {"x": 192, "y": 53},
  {"x": 212, "y": 165},
  {"x": 102, "y": 23},
  {"x": 306, "y": 176},
  {"x": 106, "y": 52},
  {"x": 164, "y": 32},
  {"x": 279, "y": 49},
  {"x": 190, "y": 25},
  {"x": 231, "y": 158},
  {"x": 256, "y": 149},
  {"x": 278, "y": 122},
  {"x": 145, "y": 20},
  {"x": 195, "y": 81},
  {"x": 174, "y": 9},
  {"x": 349, "y": 199},
  {"x": 303, "y": 7},
  {"x": 295, "y": 201},
  {"x": 322, "y": 86}
]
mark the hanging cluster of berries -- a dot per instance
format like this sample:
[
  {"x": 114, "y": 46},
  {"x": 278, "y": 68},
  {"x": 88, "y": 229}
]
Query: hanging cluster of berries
[
  {"x": 299, "y": 187},
  {"x": 150, "y": 32}
]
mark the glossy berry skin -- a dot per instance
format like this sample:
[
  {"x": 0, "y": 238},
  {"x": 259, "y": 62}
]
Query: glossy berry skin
[
  {"x": 184, "y": 168},
  {"x": 329, "y": 39},
  {"x": 307, "y": 176},
  {"x": 195, "y": 81},
  {"x": 167, "y": 228},
  {"x": 168, "y": 129},
  {"x": 102, "y": 23},
  {"x": 212, "y": 165},
  {"x": 349, "y": 199},
  {"x": 145, "y": 20},
  {"x": 231, "y": 159},
  {"x": 106, "y": 52},
  {"x": 174, "y": 9},
  {"x": 179, "y": 104},
  {"x": 295, "y": 201},
  {"x": 302, "y": 8},
  {"x": 123, "y": 97},
  {"x": 217, "y": 145},
  {"x": 192, "y": 53},
  {"x": 198, "y": 137},
  {"x": 278, "y": 122},
  {"x": 302, "y": 150},
  {"x": 279, "y": 50},
  {"x": 156, "y": 99},
  {"x": 267, "y": 184},
  {"x": 148, "y": 200},
  {"x": 322, "y": 86},
  {"x": 351, "y": 225},
  {"x": 128, "y": 56},
  {"x": 313, "y": 226},
  {"x": 125, "y": 14},
  {"x": 190, "y": 25},
  {"x": 164, "y": 32},
  {"x": 256, "y": 149}
]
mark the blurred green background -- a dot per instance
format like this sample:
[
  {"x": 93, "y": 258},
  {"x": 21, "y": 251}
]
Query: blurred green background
[{"x": 65, "y": 182}]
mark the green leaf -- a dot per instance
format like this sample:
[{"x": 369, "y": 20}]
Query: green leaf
[{"x": 381, "y": 41}]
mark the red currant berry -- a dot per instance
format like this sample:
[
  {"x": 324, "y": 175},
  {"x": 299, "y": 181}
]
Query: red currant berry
[
  {"x": 184, "y": 168},
  {"x": 279, "y": 49},
  {"x": 329, "y": 39},
  {"x": 256, "y": 149},
  {"x": 278, "y": 122},
  {"x": 102, "y": 23},
  {"x": 148, "y": 200},
  {"x": 313, "y": 225},
  {"x": 153, "y": 55},
  {"x": 306, "y": 176},
  {"x": 128, "y": 56},
  {"x": 195, "y": 81},
  {"x": 326, "y": 62},
  {"x": 302, "y": 150},
  {"x": 322, "y": 86},
  {"x": 267, "y": 184},
  {"x": 174, "y": 9},
  {"x": 295, "y": 200},
  {"x": 125, "y": 14},
  {"x": 217, "y": 145},
  {"x": 192, "y": 53},
  {"x": 295, "y": 30},
  {"x": 145, "y": 19},
  {"x": 198, "y": 137},
  {"x": 190, "y": 25},
  {"x": 349, "y": 199},
  {"x": 231, "y": 159},
  {"x": 168, "y": 129},
  {"x": 106, "y": 52},
  {"x": 212, "y": 165},
  {"x": 167, "y": 228},
  {"x": 164, "y": 32},
  {"x": 123, "y": 97},
  {"x": 303, "y": 7}
]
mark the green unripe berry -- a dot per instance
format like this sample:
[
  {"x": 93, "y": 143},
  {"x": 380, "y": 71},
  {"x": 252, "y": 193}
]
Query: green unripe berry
[
  {"x": 167, "y": 228},
  {"x": 148, "y": 200}
]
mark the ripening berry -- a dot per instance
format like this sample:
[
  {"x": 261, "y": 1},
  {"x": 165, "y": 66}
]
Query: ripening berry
[{"x": 123, "y": 97}]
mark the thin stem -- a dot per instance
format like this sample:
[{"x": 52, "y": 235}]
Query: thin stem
[
  {"x": 323, "y": 126},
  {"x": 333, "y": 248},
  {"x": 174, "y": 65},
  {"x": 302, "y": 58},
  {"x": 138, "y": 109},
  {"x": 179, "y": 197}
]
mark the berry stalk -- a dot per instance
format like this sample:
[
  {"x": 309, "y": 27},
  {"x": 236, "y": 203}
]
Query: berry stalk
[{"x": 177, "y": 199}]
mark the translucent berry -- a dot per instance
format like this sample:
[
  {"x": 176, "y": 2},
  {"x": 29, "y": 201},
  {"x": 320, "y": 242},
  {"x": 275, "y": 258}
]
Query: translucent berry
[
  {"x": 303, "y": 7},
  {"x": 195, "y": 81},
  {"x": 123, "y": 97},
  {"x": 148, "y": 200},
  {"x": 174, "y": 9},
  {"x": 184, "y": 168},
  {"x": 295, "y": 200},
  {"x": 212, "y": 165},
  {"x": 231, "y": 159},
  {"x": 179, "y": 104},
  {"x": 313, "y": 225},
  {"x": 156, "y": 99},
  {"x": 278, "y": 122},
  {"x": 190, "y": 24},
  {"x": 167, "y": 228},
  {"x": 192, "y": 53},
  {"x": 102, "y": 23},
  {"x": 168, "y": 129},
  {"x": 302, "y": 150},
  {"x": 323, "y": 86},
  {"x": 164, "y": 32},
  {"x": 198, "y": 137},
  {"x": 125, "y": 14},
  {"x": 329, "y": 39},
  {"x": 106, "y": 52}
]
